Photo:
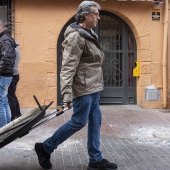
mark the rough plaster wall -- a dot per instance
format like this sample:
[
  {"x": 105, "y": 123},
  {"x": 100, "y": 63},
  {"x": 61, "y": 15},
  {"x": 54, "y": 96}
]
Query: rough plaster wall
[{"x": 38, "y": 25}]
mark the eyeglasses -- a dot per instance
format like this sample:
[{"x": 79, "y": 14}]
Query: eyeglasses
[{"x": 96, "y": 14}]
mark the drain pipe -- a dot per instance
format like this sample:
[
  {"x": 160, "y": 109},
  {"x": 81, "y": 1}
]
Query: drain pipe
[{"x": 164, "y": 61}]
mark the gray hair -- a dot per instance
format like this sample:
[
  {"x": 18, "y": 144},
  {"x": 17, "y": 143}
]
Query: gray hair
[{"x": 84, "y": 8}]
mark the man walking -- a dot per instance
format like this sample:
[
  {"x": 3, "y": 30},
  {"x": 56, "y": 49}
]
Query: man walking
[{"x": 81, "y": 81}]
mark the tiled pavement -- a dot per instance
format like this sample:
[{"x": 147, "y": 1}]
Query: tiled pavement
[{"x": 134, "y": 138}]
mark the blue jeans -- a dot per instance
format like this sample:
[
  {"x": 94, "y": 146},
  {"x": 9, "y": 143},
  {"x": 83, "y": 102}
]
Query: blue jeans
[
  {"x": 85, "y": 109},
  {"x": 5, "y": 112}
]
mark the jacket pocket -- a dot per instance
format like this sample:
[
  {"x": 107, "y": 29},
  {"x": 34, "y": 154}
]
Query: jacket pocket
[{"x": 93, "y": 77}]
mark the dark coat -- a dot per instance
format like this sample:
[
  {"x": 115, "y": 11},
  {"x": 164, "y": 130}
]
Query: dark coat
[{"x": 7, "y": 54}]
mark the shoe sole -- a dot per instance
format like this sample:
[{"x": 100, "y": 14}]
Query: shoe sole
[{"x": 36, "y": 148}]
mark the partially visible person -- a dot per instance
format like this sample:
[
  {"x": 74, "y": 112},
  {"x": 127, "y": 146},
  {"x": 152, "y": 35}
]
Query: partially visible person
[
  {"x": 12, "y": 98},
  {"x": 81, "y": 81},
  {"x": 7, "y": 61}
]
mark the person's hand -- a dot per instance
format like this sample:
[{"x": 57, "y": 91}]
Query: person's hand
[{"x": 68, "y": 104}]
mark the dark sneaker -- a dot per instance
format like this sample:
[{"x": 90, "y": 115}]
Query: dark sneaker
[
  {"x": 104, "y": 164},
  {"x": 43, "y": 158}
]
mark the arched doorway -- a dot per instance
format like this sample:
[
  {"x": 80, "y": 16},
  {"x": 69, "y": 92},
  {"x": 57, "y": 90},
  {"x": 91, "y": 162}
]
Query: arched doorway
[{"x": 118, "y": 43}]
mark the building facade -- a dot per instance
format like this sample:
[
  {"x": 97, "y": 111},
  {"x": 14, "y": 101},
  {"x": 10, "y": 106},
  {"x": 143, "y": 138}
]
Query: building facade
[{"x": 133, "y": 34}]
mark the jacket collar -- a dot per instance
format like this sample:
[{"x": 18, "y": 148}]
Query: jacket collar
[{"x": 83, "y": 32}]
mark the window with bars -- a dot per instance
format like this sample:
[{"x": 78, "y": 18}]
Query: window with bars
[{"x": 7, "y": 13}]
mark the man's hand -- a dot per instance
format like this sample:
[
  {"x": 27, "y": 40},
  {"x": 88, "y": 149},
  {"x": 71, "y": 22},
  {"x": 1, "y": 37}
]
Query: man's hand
[{"x": 68, "y": 104}]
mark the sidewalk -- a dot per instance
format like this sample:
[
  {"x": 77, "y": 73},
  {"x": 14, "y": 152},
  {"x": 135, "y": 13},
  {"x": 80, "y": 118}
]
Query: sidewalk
[{"x": 134, "y": 138}]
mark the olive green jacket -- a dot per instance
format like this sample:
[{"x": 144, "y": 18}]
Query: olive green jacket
[{"x": 81, "y": 71}]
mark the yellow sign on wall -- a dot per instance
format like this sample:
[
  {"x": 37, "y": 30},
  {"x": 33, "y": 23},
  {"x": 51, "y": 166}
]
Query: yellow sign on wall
[
  {"x": 136, "y": 70},
  {"x": 156, "y": 14}
]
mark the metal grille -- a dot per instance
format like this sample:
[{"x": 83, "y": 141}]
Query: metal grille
[
  {"x": 119, "y": 47},
  {"x": 7, "y": 13},
  {"x": 112, "y": 69},
  {"x": 111, "y": 39}
]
